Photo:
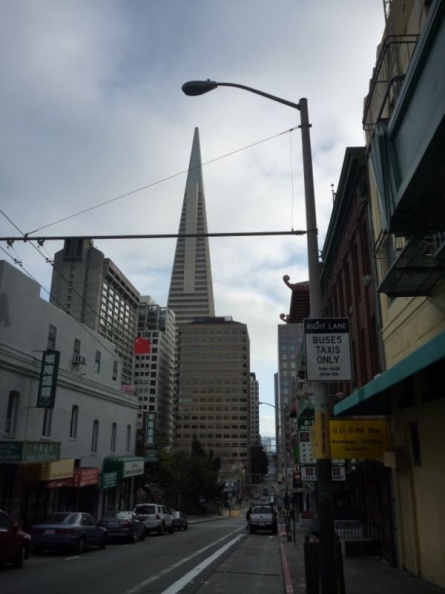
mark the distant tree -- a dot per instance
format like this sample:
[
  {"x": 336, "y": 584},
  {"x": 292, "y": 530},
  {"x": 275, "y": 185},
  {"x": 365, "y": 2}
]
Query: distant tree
[{"x": 258, "y": 462}]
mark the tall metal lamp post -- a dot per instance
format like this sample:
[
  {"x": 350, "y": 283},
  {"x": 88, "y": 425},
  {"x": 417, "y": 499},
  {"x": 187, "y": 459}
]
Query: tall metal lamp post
[
  {"x": 327, "y": 569},
  {"x": 282, "y": 442}
]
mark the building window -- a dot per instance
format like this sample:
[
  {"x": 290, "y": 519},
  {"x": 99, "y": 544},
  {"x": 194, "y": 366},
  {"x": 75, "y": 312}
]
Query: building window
[
  {"x": 12, "y": 413},
  {"x": 97, "y": 362},
  {"x": 76, "y": 348},
  {"x": 95, "y": 437},
  {"x": 52, "y": 333},
  {"x": 114, "y": 370},
  {"x": 47, "y": 422},
  {"x": 128, "y": 438},
  {"x": 74, "y": 419},
  {"x": 113, "y": 437}
]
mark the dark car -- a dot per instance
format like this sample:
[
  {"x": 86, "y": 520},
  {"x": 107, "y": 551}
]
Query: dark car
[
  {"x": 68, "y": 531},
  {"x": 180, "y": 521},
  {"x": 14, "y": 543},
  {"x": 123, "y": 525}
]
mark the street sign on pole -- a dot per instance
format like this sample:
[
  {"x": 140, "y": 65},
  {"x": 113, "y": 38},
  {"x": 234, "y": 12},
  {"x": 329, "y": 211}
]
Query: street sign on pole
[{"x": 328, "y": 350}]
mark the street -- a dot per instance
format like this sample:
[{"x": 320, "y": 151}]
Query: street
[{"x": 217, "y": 556}]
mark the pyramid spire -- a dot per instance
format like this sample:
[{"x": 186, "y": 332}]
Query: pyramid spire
[{"x": 191, "y": 289}]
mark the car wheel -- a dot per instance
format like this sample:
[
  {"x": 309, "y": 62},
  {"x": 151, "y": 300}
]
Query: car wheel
[
  {"x": 161, "y": 530},
  {"x": 80, "y": 547},
  {"x": 103, "y": 543},
  {"x": 186, "y": 527},
  {"x": 172, "y": 529},
  {"x": 252, "y": 530},
  {"x": 142, "y": 537},
  {"x": 21, "y": 556},
  {"x": 133, "y": 537}
]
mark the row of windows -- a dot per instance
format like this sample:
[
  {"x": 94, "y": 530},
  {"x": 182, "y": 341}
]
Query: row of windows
[{"x": 12, "y": 416}]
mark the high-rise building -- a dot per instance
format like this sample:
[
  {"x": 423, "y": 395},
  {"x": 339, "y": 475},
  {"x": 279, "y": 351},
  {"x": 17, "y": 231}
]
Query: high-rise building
[
  {"x": 93, "y": 290},
  {"x": 255, "y": 438},
  {"x": 213, "y": 398},
  {"x": 154, "y": 370},
  {"x": 191, "y": 290}
]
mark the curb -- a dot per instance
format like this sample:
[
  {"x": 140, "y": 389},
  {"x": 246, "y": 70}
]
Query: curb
[{"x": 288, "y": 587}]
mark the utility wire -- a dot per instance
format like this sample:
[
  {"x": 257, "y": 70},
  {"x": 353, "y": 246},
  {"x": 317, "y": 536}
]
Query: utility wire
[{"x": 116, "y": 198}]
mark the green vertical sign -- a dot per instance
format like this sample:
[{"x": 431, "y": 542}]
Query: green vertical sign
[{"x": 48, "y": 379}]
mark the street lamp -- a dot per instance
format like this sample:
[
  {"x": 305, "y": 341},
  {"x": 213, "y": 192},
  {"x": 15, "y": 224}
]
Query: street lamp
[
  {"x": 281, "y": 444},
  {"x": 321, "y": 399}
]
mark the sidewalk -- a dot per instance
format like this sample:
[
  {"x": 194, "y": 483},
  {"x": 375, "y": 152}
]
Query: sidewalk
[{"x": 363, "y": 575}]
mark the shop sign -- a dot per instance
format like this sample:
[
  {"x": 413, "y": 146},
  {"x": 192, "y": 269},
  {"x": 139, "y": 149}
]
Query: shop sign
[
  {"x": 151, "y": 455},
  {"x": 60, "y": 469},
  {"x": 85, "y": 477},
  {"x": 328, "y": 350},
  {"x": 48, "y": 379},
  {"x": 41, "y": 451},
  {"x": 309, "y": 473},
  {"x": 59, "y": 484},
  {"x": 11, "y": 451},
  {"x": 360, "y": 439},
  {"x": 150, "y": 421},
  {"x": 107, "y": 480},
  {"x": 133, "y": 468}
]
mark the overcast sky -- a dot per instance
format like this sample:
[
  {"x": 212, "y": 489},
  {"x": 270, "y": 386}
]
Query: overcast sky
[{"x": 91, "y": 109}]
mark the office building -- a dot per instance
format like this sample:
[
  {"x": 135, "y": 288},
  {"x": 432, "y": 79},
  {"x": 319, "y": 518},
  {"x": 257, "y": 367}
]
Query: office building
[
  {"x": 191, "y": 290},
  {"x": 213, "y": 393},
  {"x": 154, "y": 370},
  {"x": 93, "y": 290}
]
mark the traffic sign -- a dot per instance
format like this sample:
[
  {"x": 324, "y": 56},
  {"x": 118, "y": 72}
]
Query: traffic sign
[{"x": 328, "y": 350}]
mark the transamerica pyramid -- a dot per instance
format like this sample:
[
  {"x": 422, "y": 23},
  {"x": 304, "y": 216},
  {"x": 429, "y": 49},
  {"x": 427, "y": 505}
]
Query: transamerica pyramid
[{"x": 191, "y": 290}]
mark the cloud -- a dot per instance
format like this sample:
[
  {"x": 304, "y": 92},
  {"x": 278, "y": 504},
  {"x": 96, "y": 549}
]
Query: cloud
[{"x": 92, "y": 109}]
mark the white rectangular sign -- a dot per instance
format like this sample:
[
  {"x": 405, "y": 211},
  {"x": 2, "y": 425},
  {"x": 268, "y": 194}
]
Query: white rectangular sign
[{"x": 328, "y": 350}]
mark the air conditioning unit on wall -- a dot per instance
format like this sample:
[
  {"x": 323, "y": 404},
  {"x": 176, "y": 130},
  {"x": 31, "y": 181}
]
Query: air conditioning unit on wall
[{"x": 79, "y": 360}]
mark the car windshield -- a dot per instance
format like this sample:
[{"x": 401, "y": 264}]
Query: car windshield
[
  {"x": 262, "y": 510},
  {"x": 145, "y": 509},
  {"x": 61, "y": 518},
  {"x": 176, "y": 514},
  {"x": 120, "y": 515}
]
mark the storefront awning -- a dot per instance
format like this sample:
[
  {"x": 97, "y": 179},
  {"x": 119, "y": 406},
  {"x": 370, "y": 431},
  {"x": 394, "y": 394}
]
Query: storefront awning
[
  {"x": 125, "y": 466},
  {"x": 370, "y": 398}
]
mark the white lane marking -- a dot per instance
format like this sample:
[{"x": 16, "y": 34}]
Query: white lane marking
[
  {"x": 188, "y": 577},
  {"x": 153, "y": 578}
]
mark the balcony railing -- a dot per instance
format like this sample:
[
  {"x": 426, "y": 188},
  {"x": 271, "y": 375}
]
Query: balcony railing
[{"x": 387, "y": 80}]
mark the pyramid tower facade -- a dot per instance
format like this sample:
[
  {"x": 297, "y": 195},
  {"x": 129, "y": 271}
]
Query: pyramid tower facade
[{"x": 191, "y": 290}]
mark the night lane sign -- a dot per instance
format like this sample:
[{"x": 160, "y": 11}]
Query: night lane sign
[{"x": 328, "y": 350}]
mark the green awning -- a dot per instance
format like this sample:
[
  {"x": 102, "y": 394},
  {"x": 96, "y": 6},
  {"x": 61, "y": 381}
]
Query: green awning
[
  {"x": 125, "y": 466},
  {"x": 361, "y": 401}
]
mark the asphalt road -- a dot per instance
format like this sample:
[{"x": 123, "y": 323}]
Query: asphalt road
[{"x": 210, "y": 557}]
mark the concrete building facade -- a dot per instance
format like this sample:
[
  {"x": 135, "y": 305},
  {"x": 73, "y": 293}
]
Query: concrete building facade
[
  {"x": 78, "y": 448},
  {"x": 154, "y": 371},
  {"x": 93, "y": 290},
  {"x": 213, "y": 390},
  {"x": 404, "y": 122}
]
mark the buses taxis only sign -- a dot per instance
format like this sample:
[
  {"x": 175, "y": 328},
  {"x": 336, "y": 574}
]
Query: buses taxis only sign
[{"x": 328, "y": 350}]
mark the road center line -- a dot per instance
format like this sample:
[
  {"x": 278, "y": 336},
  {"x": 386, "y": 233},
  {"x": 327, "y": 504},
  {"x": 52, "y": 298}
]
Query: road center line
[
  {"x": 153, "y": 578},
  {"x": 182, "y": 582}
]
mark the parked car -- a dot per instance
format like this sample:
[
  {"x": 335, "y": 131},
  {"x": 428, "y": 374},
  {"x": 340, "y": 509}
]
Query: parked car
[
  {"x": 155, "y": 517},
  {"x": 123, "y": 525},
  {"x": 263, "y": 517},
  {"x": 68, "y": 531},
  {"x": 15, "y": 544},
  {"x": 180, "y": 521}
]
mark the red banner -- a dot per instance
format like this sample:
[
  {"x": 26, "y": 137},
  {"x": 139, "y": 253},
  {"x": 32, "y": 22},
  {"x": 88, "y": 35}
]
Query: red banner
[{"x": 142, "y": 346}]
